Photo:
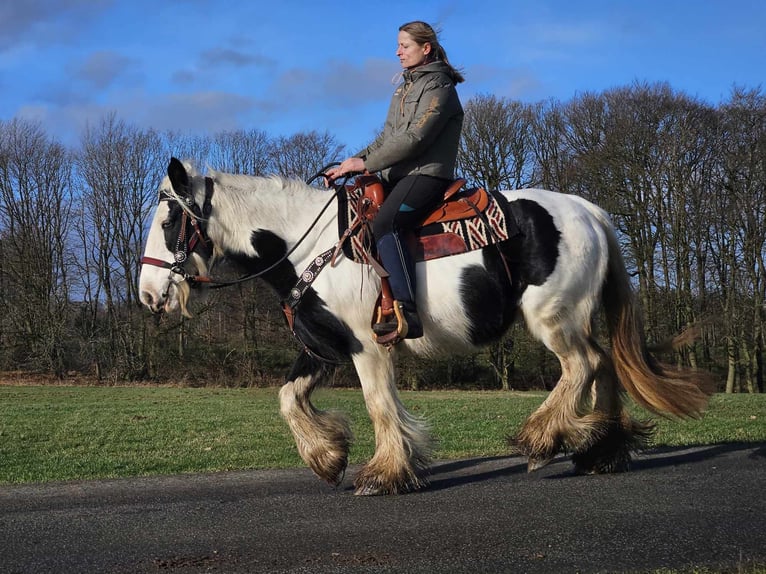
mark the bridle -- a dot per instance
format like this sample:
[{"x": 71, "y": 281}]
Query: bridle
[
  {"x": 188, "y": 242},
  {"x": 192, "y": 236}
]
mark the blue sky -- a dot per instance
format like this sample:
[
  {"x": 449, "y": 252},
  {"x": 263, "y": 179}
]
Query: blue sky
[{"x": 290, "y": 66}]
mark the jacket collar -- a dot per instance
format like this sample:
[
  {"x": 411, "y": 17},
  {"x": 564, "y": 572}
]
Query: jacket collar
[{"x": 435, "y": 66}]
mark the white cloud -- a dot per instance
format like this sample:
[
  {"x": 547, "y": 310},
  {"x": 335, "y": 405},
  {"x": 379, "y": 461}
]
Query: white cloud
[
  {"x": 198, "y": 111},
  {"x": 517, "y": 83},
  {"x": 100, "y": 69},
  {"x": 229, "y": 57},
  {"x": 341, "y": 85}
]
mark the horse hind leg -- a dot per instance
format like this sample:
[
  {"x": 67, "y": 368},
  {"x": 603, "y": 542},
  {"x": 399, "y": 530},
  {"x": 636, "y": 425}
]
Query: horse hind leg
[
  {"x": 616, "y": 434},
  {"x": 322, "y": 437},
  {"x": 566, "y": 421},
  {"x": 563, "y": 421}
]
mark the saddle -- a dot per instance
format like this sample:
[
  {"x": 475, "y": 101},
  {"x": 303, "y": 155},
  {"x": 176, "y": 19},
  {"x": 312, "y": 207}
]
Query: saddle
[{"x": 467, "y": 219}]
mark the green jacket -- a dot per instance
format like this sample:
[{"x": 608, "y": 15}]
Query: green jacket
[{"x": 422, "y": 129}]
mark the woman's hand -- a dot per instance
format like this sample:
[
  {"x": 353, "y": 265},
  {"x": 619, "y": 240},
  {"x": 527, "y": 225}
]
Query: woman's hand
[{"x": 348, "y": 165}]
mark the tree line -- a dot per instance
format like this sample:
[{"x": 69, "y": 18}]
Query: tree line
[{"x": 684, "y": 181}]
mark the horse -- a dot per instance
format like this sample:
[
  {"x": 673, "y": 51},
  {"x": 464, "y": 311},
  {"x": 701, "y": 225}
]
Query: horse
[{"x": 562, "y": 268}]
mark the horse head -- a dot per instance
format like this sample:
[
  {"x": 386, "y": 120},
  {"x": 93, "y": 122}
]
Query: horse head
[{"x": 178, "y": 252}]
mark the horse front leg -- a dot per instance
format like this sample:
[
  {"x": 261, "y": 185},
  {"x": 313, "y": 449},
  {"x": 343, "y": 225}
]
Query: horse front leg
[
  {"x": 322, "y": 437},
  {"x": 402, "y": 443}
]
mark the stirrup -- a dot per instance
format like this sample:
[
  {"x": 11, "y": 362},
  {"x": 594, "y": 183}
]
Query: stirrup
[{"x": 390, "y": 330}]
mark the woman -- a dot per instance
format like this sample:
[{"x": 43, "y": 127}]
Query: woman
[{"x": 415, "y": 153}]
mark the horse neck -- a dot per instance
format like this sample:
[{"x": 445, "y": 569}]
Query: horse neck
[{"x": 287, "y": 208}]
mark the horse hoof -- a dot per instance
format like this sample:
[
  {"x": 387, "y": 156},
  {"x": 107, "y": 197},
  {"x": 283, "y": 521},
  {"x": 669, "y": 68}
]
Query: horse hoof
[
  {"x": 536, "y": 463},
  {"x": 621, "y": 464},
  {"x": 376, "y": 487},
  {"x": 369, "y": 490}
]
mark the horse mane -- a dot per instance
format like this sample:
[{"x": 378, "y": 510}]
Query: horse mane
[
  {"x": 281, "y": 204},
  {"x": 245, "y": 181}
]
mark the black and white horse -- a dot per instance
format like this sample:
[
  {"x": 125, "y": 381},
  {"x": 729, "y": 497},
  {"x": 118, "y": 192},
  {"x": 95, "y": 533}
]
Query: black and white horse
[{"x": 565, "y": 264}]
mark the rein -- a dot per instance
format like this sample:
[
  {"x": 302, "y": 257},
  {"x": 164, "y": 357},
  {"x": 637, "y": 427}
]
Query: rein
[
  {"x": 320, "y": 173},
  {"x": 218, "y": 284}
]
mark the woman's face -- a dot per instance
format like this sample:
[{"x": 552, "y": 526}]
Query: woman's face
[{"x": 409, "y": 52}]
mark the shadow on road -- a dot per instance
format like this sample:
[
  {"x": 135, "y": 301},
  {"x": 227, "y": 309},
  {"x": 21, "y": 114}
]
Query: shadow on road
[
  {"x": 674, "y": 456},
  {"x": 462, "y": 472}
]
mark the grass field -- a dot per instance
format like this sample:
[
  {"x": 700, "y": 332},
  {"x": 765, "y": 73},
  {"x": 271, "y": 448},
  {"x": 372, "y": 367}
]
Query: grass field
[{"x": 50, "y": 433}]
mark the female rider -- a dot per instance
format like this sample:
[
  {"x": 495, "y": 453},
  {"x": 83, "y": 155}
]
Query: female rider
[{"x": 416, "y": 154}]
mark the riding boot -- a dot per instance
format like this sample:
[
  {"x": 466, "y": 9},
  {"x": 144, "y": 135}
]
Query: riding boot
[{"x": 400, "y": 265}]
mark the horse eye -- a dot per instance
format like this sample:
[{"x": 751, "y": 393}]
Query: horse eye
[{"x": 166, "y": 224}]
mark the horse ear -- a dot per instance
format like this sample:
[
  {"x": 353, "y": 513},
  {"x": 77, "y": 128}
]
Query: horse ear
[{"x": 179, "y": 179}]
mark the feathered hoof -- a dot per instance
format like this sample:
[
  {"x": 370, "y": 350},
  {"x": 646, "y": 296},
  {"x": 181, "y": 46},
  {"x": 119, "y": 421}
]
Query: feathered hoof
[
  {"x": 331, "y": 467},
  {"x": 603, "y": 458},
  {"x": 379, "y": 486},
  {"x": 584, "y": 465},
  {"x": 537, "y": 462},
  {"x": 611, "y": 451},
  {"x": 370, "y": 490},
  {"x": 380, "y": 490},
  {"x": 537, "y": 458}
]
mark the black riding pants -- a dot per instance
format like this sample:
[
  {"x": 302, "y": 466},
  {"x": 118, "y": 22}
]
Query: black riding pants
[{"x": 408, "y": 203}]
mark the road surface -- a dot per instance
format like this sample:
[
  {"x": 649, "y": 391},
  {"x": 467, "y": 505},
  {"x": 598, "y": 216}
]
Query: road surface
[{"x": 677, "y": 508}]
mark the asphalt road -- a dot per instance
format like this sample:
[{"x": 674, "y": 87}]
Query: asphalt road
[{"x": 676, "y": 508}]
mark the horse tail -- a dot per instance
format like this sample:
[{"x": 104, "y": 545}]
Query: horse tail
[{"x": 662, "y": 388}]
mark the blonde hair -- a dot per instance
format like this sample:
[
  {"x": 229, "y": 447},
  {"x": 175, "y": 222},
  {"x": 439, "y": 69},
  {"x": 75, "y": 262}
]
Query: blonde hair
[{"x": 423, "y": 33}]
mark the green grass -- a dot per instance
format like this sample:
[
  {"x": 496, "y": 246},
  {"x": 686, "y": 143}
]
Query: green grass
[{"x": 50, "y": 433}]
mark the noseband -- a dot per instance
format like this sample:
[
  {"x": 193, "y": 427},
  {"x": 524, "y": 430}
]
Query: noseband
[{"x": 186, "y": 242}]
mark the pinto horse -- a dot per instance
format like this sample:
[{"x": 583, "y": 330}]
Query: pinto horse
[{"x": 558, "y": 271}]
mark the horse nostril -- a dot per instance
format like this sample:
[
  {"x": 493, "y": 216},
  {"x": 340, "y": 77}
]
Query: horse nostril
[
  {"x": 146, "y": 298},
  {"x": 155, "y": 304}
]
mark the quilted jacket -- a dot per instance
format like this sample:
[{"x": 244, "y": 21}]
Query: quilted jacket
[{"x": 422, "y": 128}]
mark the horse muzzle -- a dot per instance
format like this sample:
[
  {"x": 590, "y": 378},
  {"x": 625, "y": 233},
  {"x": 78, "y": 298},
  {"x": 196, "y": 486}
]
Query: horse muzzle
[{"x": 157, "y": 304}]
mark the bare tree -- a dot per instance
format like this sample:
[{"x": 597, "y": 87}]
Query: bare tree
[
  {"x": 743, "y": 181},
  {"x": 496, "y": 148},
  {"x": 241, "y": 152},
  {"x": 553, "y": 156},
  {"x": 119, "y": 175},
  {"x": 614, "y": 139},
  {"x": 195, "y": 148},
  {"x": 35, "y": 218},
  {"x": 647, "y": 155},
  {"x": 304, "y": 154},
  {"x": 683, "y": 171}
]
